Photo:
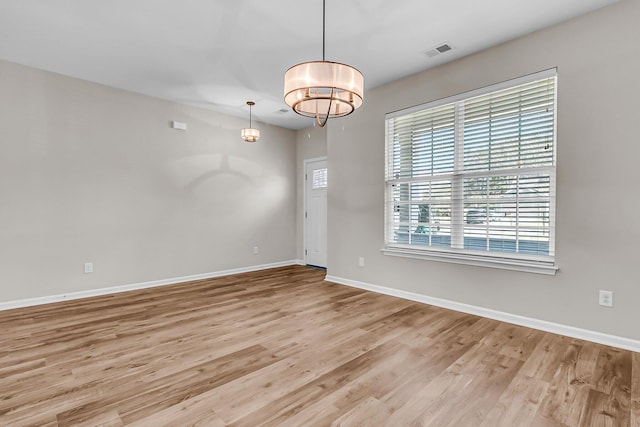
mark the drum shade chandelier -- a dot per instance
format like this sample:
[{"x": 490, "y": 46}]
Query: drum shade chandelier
[
  {"x": 323, "y": 89},
  {"x": 249, "y": 134}
]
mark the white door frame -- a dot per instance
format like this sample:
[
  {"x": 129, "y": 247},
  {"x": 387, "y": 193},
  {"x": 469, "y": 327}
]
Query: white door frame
[{"x": 304, "y": 201}]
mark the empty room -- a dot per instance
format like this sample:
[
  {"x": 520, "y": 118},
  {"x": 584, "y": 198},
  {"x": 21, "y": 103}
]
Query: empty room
[{"x": 319, "y": 213}]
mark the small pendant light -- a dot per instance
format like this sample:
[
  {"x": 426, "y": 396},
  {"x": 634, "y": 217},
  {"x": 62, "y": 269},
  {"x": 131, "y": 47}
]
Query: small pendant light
[{"x": 249, "y": 134}]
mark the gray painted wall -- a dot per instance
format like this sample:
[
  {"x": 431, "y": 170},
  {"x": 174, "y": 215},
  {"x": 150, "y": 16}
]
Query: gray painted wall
[
  {"x": 90, "y": 173},
  {"x": 597, "y": 190}
]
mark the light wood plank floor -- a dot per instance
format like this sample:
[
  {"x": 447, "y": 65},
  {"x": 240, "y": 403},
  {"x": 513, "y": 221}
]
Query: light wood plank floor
[{"x": 283, "y": 347}]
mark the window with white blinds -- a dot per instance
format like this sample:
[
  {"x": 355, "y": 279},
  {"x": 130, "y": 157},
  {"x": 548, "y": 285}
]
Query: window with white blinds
[
  {"x": 319, "y": 178},
  {"x": 472, "y": 177}
]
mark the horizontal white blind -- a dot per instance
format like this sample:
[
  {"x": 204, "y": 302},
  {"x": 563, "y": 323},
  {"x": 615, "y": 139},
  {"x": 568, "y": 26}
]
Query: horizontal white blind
[
  {"x": 476, "y": 175},
  {"x": 319, "y": 179},
  {"x": 512, "y": 128},
  {"x": 423, "y": 143}
]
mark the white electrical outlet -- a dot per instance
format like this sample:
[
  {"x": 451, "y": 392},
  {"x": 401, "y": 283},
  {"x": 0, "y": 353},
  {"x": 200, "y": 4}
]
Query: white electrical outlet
[
  {"x": 606, "y": 298},
  {"x": 255, "y": 250},
  {"x": 361, "y": 261},
  {"x": 88, "y": 267}
]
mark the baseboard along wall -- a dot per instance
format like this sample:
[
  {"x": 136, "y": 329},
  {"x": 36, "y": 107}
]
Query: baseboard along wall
[
  {"x": 29, "y": 302},
  {"x": 543, "y": 325}
]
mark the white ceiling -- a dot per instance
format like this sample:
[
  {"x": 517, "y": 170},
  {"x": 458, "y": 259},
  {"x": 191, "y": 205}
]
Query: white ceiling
[{"x": 218, "y": 54}]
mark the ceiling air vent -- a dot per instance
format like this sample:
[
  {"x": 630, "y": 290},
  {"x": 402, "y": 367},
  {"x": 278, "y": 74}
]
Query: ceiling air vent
[{"x": 438, "y": 50}]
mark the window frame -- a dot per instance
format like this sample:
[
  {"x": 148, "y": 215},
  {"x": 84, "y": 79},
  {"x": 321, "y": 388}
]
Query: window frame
[{"x": 544, "y": 264}]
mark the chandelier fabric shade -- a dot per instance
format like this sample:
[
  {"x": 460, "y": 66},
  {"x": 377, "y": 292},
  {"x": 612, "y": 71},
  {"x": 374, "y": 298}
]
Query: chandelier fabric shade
[
  {"x": 323, "y": 89},
  {"x": 249, "y": 134}
]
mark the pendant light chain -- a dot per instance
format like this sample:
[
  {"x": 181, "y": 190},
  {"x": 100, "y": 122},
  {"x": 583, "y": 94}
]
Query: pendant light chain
[
  {"x": 323, "y": 26},
  {"x": 322, "y": 123}
]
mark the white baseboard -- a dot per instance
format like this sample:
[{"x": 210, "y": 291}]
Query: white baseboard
[
  {"x": 543, "y": 325},
  {"x": 29, "y": 302}
]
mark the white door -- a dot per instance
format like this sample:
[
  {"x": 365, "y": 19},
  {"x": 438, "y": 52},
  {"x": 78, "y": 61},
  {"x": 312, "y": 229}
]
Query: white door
[{"x": 315, "y": 225}]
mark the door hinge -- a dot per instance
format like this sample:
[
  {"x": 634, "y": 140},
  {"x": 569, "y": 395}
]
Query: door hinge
[
  {"x": 305, "y": 214},
  {"x": 305, "y": 176},
  {"x": 305, "y": 251}
]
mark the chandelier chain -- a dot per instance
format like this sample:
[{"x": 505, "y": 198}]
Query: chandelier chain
[{"x": 323, "y": 27}]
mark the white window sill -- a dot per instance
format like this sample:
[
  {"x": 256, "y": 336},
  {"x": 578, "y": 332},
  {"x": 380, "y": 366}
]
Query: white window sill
[{"x": 539, "y": 267}]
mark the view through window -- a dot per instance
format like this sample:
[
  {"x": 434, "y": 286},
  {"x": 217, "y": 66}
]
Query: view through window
[{"x": 475, "y": 174}]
